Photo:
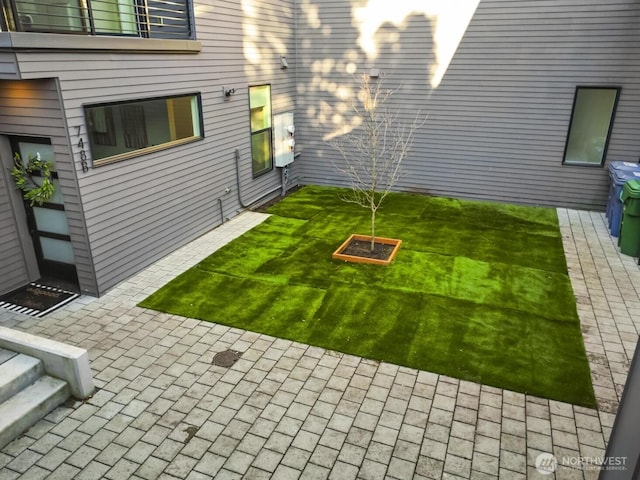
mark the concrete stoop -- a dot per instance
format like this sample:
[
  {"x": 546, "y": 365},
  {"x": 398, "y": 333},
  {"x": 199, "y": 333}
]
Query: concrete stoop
[
  {"x": 27, "y": 394},
  {"x": 37, "y": 375}
]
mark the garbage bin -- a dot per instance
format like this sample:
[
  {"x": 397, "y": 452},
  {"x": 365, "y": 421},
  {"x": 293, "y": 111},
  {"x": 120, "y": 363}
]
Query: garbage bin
[
  {"x": 629, "y": 240},
  {"x": 619, "y": 176},
  {"x": 615, "y": 167}
]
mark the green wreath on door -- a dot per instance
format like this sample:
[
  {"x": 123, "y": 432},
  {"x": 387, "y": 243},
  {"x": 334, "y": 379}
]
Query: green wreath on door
[{"x": 34, "y": 193}]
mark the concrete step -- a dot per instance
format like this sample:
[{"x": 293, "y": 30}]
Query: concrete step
[
  {"x": 26, "y": 407},
  {"x": 18, "y": 373},
  {"x": 5, "y": 355}
]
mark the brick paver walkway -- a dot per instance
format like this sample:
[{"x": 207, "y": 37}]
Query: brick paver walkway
[{"x": 287, "y": 410}]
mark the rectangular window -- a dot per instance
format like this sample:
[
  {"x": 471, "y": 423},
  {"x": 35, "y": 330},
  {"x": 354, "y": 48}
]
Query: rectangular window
[
  {"x": 34, "y": 16},
  {"x": 261, "y": 131},
  {"x": 140, "y": 18},
  {"x": 114, "y": 17},
  {"x": 118, "y": 131},
  {"x": 590, "y": 127}
]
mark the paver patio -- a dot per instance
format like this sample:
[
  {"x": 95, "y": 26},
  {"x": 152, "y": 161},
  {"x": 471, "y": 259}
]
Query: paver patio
[{"x": 287, "y": 410}]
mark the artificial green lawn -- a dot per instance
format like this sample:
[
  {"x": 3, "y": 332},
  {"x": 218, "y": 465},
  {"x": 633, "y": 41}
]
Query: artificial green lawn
[{"x": 478, "y": 291}]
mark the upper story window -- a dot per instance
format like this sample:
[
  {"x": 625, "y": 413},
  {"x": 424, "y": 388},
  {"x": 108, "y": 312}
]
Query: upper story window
[{"x": 170, "y": 19}]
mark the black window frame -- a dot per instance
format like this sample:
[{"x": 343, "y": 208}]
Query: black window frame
[
  {"x": 150, "y": 149},
  {"x": 148, "y": 23},
  {"x": 614, "y": 109}
]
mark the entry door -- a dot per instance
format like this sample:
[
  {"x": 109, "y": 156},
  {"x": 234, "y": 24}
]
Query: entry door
[{"x": 48, "y": 224}]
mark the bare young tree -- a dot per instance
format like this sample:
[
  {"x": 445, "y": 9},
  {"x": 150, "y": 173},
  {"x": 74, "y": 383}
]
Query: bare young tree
[{"x": 374, "y": 151}]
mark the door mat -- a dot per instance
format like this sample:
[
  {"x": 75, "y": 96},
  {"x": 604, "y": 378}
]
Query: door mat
[{"x": 36, "y": 300}]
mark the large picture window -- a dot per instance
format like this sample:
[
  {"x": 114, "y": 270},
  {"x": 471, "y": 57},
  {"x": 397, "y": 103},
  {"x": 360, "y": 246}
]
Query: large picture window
[
  {"x": 261, "y": 131},
  {"x": 122, "y": 130},
  {"x": 590, "y": 127}
]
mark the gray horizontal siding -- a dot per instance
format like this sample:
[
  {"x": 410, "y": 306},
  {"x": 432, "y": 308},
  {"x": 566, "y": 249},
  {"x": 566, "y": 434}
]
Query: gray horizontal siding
[
  {"x": 32, "y": 108},
  {"x": 13, "y": 268},
  {"x": 497, "y": 123},
  {"x": 140, "y": 209},
  {"x": 9, "y": 66}
]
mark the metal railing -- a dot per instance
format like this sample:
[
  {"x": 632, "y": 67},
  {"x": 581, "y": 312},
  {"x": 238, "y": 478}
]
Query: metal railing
[{"x": 140, "y": 18}]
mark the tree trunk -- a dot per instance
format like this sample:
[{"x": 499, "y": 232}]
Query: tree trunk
[{"x": 373, "y": 229}]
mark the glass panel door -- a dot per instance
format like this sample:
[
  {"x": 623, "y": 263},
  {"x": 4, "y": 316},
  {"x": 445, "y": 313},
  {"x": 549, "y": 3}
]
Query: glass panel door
[{"x": 48, "y": 224}]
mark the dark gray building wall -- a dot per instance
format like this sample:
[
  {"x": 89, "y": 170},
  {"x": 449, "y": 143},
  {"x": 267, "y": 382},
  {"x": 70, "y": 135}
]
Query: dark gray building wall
[{"x": 498, "y": 119}]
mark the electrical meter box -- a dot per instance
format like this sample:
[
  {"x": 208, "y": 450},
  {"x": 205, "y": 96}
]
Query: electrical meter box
[{"x": 283, "y": 138}]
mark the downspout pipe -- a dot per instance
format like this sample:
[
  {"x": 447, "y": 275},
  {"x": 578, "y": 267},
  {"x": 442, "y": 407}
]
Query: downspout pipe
[
  {"x": 244, "y": 204},
  {"x": 221, "y": 208}
]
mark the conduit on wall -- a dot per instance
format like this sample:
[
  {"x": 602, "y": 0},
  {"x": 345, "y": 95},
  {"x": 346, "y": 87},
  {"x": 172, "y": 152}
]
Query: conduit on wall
[{"x": 244, "y": 204}]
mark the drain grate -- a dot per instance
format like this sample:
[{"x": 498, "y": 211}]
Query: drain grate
[{"x": 226, "y": 358}]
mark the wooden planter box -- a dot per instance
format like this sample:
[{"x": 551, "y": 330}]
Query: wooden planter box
[{"x": 338, "y": 255}]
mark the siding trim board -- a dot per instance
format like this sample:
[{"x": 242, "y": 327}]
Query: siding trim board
[
  {"x": 20, "y": 41},
  {"x": 85, "y": 268}
]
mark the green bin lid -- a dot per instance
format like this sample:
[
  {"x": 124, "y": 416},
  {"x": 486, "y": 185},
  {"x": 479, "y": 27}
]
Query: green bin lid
[{"x": 631, "y": 189}]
